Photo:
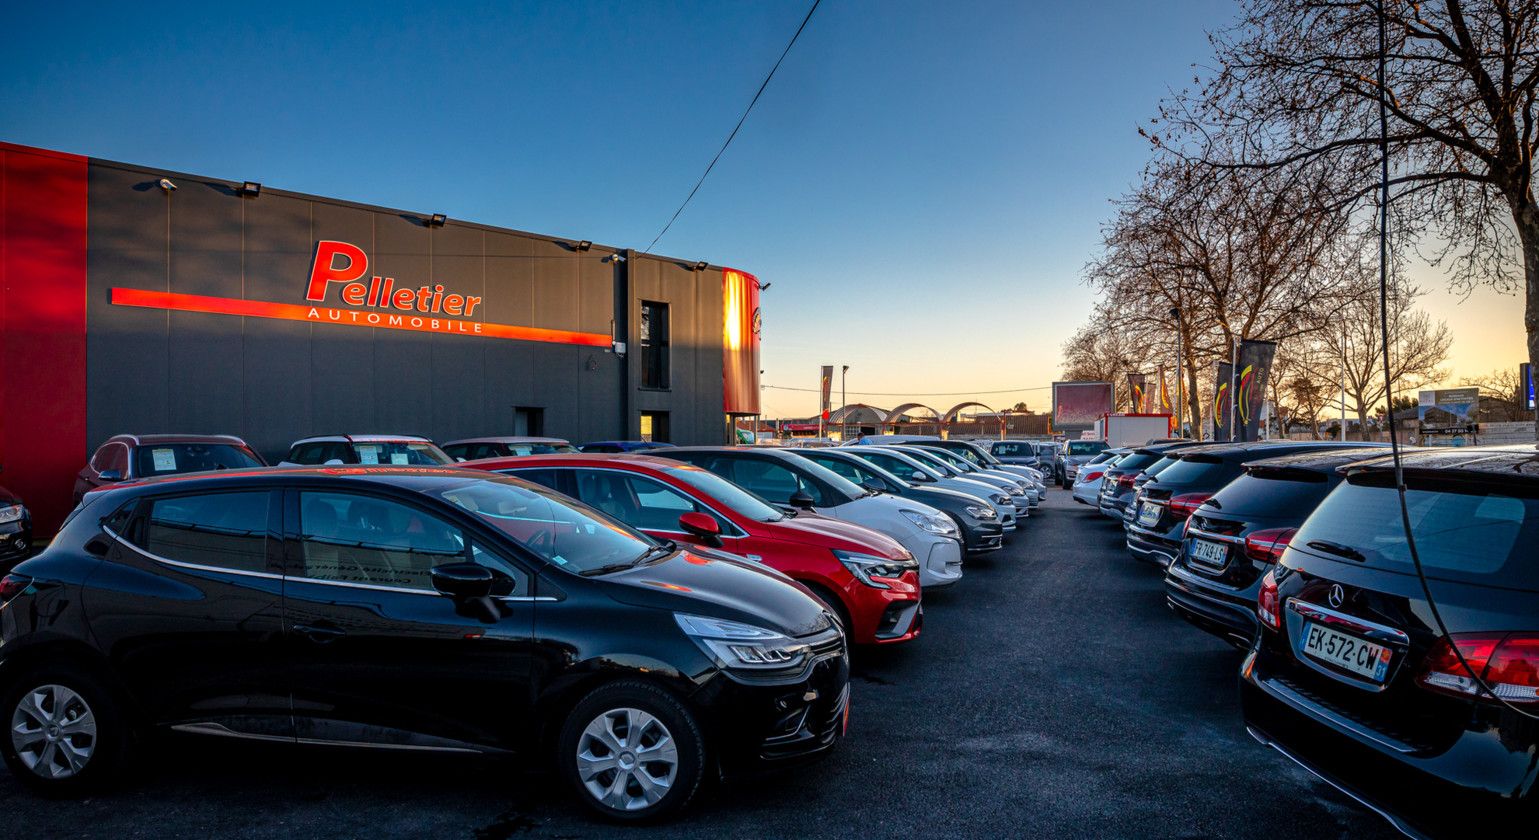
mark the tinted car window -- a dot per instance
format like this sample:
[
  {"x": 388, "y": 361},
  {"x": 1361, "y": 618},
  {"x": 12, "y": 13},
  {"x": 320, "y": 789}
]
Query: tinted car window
[
  {"x": 1271, "y": 494},
  {"x": 732, "y": 496},
  {"x": 228, "y": 530},
  {"x": 1477, "y": 537},
  {"x": 171, "y": 458},
  {"x": 1159, "y": 466},
  {"x": 1007, "y": 449},
  {"x": 1210, "y": 473},
  {"x": 638, "y": 501},
  {"x": 352, "y": 538},
  {"x": 769, "y": 480},
  {"x": 844, "y": 469},
  {"x": 521, "y": 449},
  {"x": 896, "y": 466},
  {"x": 556, "y": 528},
  {"x": 1085, "y": 447},
  {"x": 1136, "y": 461},
  {"x": 401, "y": 453}
]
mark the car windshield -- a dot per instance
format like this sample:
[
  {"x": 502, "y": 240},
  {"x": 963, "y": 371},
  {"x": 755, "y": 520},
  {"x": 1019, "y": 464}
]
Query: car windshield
[
  {"x": 169, "y": 458},
  {"x": 930, "y": 460},
  {"x": 558, "y": 529},
  {"x": 730, "y": 495},
  {"x": 401, "y": 453},
  {"x": 1469, "y": 534},
  {"x": 1085, "y": 447},
  {"x": 527, "y": 448}
]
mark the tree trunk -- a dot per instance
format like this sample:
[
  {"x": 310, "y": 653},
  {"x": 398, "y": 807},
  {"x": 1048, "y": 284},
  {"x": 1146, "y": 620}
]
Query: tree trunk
[
  {"x": 1526, "y": 218},
  {"x": 1362, "y": 422}
]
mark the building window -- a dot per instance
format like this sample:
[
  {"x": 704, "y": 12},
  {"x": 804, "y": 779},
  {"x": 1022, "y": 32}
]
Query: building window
[
  {"x": 654, "y": 344},
  {"x": 528, "y": 421},
  {"x": 654, "y": 426}
]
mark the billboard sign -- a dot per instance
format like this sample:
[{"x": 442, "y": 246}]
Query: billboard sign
[
  {"x": 1447, "y": 411},
  {"x": 1077, "y": 405}
]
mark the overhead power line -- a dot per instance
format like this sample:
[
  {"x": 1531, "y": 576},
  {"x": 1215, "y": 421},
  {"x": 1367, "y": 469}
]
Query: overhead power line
[
  {"x": 914, "y": 394},
  {"x": 735, "y": 128}
]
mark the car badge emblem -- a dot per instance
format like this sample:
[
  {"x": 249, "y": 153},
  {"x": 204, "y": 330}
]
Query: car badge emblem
[{"x": 1337, "y": 596}]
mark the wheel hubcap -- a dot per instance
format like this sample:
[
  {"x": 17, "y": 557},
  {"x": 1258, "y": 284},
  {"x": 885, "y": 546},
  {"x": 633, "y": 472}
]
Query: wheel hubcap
[
  {"x": 53, "y": 731},
  {"x": 626, "y": 759}
]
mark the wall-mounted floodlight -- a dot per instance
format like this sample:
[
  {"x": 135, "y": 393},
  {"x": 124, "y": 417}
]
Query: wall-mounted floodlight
[
  {"x": 165, "y": 184},
  {"x": 583, "y": 245},
  {"x": 437, "y": 220},
  {"x": 702, "y": 265},
  {"x": 251, "y": 188},
  {"x": 617, "y": 258}
]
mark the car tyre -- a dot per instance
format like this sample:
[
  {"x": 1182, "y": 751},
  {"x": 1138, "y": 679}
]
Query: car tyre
[
  {"x": 633, "y": 752},
  {"x": 67, "y": 733}
]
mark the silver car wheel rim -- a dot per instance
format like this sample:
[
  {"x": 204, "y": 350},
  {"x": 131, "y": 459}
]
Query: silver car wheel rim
[
  {"x": 53, "y": 731},
  {"x": 627, "y": 760}
]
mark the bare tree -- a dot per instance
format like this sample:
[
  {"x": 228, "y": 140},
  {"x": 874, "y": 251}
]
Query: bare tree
[
  {"x": 1501, "y": 395},
  {"x": 1418, "y": 349},
  {"x": 1296, "y": 85}
]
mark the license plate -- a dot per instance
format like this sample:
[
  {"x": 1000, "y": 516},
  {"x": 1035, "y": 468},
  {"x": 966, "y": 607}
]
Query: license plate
[
  {"x": 1148, "y": 514},
  {"x": 1346, "y": 652},
  {"x": 1211, "y": 553}
]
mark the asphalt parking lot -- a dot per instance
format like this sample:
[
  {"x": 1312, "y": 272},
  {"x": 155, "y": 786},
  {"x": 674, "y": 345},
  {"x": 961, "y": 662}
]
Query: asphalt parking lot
[{"x": 1052, "y": 694}]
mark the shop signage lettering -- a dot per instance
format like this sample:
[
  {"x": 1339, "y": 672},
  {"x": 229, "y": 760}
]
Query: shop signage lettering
[{"x": 379, "y": 291}]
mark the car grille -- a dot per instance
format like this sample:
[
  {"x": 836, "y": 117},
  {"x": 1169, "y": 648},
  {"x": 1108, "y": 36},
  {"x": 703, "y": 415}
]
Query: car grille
[{"x": 816, "y": 725}]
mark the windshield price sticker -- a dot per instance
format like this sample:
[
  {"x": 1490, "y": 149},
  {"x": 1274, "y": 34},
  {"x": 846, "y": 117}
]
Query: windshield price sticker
[{"x": 165, "y": 459}]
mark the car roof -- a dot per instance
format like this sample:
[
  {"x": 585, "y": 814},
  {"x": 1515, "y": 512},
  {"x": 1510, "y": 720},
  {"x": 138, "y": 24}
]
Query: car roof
[
  {"x": 767, "y": 451},
  {"x": 1255, "y": 449},
  {"x": 578, "y": 459},
  {"x": 378, "y": 438},
  {"x": 509, "y": 439},
  {"x": 1321, "y": 461},
  {"x": 1162, "y": 448},
  {"x": 1519, "y": 462},
  {"x": 414, "y": 478},
  {"x": 150, "y": 440}
]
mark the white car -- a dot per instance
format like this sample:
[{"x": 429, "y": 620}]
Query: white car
[
  {"x": 965, "y": 465},
  {"x": 906, "y": 466},
  {"x": 1087, "y": 482},
  {"x": 786, "y": 479},
  {"x": 1010, "y": 484}
]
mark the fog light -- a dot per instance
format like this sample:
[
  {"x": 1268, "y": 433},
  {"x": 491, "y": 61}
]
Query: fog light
[{"x": 20, "y": 543}]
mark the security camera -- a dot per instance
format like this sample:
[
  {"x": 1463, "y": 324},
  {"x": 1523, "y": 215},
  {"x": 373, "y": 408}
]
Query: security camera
[{"x": 165, "y": 184}]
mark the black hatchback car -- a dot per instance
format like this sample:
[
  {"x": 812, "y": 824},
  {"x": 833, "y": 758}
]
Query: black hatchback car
[
  {"x": 1156, "y": 515},
  {"x": 1235, "y": 537},
  {"x": 1118, "y": 480},
  {"x": 422, "y": 609},
  {"x": 1354, "y": 676}
]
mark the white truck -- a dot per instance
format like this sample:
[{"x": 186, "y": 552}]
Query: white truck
[{"x": 1130, "y": 429}]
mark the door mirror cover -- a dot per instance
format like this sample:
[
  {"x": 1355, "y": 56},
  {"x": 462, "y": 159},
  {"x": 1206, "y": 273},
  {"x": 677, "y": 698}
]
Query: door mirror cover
[
  {"x": 463, "y": 581},
  {"x": 801, "y": 500},
  {"x": 701, "y": 526},
  {"x": 110, "y": 475},
  {"x": 874, "y": 486},
  {"x": 921, "y": 477}
]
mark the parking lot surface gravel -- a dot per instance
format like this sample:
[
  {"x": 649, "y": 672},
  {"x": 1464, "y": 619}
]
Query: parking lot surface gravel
[{"x": 1052, "y": 694}]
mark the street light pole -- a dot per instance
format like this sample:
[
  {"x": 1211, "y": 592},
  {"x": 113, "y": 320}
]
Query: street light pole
[{"x": 844, "y": 413}]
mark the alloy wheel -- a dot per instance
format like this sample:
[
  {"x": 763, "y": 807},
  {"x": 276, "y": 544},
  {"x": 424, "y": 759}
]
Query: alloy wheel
[
  {"x": 53, "y": 731},
  {"x": 627, "y": 759}
]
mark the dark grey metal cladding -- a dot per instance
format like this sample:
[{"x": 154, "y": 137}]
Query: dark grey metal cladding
[{"x": 273, "y": 381}]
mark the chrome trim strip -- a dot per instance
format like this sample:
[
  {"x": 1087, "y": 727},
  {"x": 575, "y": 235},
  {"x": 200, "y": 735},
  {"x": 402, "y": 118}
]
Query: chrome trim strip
[
  {"x": 220, "y": 730},
  {"x": 1193, "y": 532},
  {"x": 1329, "y": 617},
  {"x": 1301, "y": 704},
  {"x": 184, "y": 565}
]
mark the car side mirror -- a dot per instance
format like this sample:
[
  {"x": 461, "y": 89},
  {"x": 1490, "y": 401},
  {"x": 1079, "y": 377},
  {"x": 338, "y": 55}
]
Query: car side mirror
[
  {"x": 110, "y": 475},
  {"x": 463, "y": 581},
  {"x": 874, "y": 486},
  {"x": 702, "y": 526},
  {"x": 919, "y": 476},
  {"x": 801, "y": 501}
]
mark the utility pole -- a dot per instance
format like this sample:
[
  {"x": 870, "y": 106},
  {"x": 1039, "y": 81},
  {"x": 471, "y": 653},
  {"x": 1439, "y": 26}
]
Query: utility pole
[
  {"x": 1343, "y": 379},
  {"x": 844, "y": 413}
]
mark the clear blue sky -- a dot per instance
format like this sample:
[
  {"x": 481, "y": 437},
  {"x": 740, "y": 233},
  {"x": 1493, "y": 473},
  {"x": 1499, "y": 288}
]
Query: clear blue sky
[{"x": 920, "y": 182}]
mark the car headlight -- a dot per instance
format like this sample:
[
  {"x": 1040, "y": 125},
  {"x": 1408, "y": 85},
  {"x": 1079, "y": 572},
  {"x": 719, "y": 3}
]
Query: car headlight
[
  {"x": 931, "y": 523},
  {"x": 981, "y": 512},
  {"x": 1015, "y": 491},
  {"x": 867, "y": 568},
  {"x": 1000, "y": 499},
  {"x": 13, "y": 513},
  {"x": 739, "y": 645}
]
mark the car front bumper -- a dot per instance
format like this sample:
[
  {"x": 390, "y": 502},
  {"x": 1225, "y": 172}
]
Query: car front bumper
[
  {"x": 761, "y": 725},
  {"x": 16, "y": 541}
]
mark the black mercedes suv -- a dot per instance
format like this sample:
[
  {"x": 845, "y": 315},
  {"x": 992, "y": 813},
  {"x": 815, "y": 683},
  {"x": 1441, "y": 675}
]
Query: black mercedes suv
[
  {"x": 427, "y": 609},
  {"x": 1425, "y": 709}
]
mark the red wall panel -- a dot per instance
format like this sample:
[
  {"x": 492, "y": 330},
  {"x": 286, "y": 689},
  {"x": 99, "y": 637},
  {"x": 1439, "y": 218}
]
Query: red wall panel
[{"x": 42, "y": 328}]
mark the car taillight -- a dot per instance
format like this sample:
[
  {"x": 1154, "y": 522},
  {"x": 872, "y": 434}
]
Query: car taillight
[
  {"x": 1508, "y": 664},
  {"x": 1186, "y": 504},
  {"x": 1126, "y": 481},
  {"x": 1089, "y": 477},
  {"x": 1266, "y": 545},
  {"x": 1267, "y": 604},
  {"x": 12, "y": 585}
]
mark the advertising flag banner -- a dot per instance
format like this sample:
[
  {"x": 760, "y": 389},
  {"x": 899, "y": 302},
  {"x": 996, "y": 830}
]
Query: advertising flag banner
[
  {"x": 1078, "y": 405},
  {"x": 1137, "y": 384},
  {"x": 1165, "y": 405},
  {"x": 1221, "y": 403},
  {"x": 826, "y": 388},
  {"x": 1255, "y": 362}
]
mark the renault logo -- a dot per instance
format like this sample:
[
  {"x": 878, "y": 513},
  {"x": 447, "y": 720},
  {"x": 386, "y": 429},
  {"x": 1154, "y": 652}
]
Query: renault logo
[{"x": 1337, "y": 596}]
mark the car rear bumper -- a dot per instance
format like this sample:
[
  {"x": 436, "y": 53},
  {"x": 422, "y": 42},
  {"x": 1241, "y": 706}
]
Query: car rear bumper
[
  {"x": 1229, "y": 617},
  {"x": 1423, "y": 794},
  {"x": 1144, "y": 544}
]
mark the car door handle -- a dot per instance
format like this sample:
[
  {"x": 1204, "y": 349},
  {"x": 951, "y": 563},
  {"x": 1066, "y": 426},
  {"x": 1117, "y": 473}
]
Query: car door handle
[{"x": 319, "y": 635}]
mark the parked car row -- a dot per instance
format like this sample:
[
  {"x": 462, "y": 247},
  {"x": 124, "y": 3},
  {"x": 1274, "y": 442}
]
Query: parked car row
[
  {"x": 1390, "y": 631},
  {"x": 694, "y": 605}
]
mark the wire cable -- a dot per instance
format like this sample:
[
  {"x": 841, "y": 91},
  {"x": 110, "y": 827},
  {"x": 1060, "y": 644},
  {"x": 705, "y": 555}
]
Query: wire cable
[
  {"x": 735, "y": 128},
  {"x": 1394, "y": 437}
]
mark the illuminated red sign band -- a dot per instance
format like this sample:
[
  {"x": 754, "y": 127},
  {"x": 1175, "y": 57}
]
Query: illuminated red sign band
[{"x": 349, "y": 317}]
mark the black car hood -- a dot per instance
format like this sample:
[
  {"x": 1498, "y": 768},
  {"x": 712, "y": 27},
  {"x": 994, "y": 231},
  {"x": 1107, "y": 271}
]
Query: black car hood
[{"x": 718, "y": 585}]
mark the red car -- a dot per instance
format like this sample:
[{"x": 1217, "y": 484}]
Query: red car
[
  {"x": 869, "y": 580},
  {"x": 124, "y": 457}
]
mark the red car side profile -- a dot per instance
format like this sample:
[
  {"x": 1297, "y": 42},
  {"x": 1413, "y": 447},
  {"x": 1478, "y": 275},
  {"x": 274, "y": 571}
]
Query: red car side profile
[{"x": 868, "y": 579}]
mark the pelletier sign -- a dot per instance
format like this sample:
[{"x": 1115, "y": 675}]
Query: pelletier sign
[{"x": 381, "y": 304}]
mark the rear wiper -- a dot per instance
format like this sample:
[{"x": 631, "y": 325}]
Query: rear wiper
[{"x": 1337, "y": 549}]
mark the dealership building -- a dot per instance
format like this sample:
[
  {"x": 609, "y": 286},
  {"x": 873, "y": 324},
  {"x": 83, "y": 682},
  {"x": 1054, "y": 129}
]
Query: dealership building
[{"x": 136, "y": 300}]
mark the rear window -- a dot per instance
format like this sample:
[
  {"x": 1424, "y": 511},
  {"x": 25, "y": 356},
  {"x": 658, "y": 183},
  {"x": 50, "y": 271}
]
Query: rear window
[
  {"x": 1136, "y": 461},
  {"x": 1271, "y": 494},
  {"x": 401, "y": 453},
  {"x": 171, "y": 458},
  {"x": 1478, "y": 536},
  {"x": 1085, "y": 447},
  {"x": 1210, "y": 473},
  {"x": 1158, "y": 466},
  {"x": 522, "y": 449},
  {"x": 1006, "y": 449}
]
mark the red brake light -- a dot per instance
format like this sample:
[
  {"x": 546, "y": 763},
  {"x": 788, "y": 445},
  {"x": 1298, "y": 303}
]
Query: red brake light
[
  {"x": 1126, "y": 480},
  {"x": 1268, "y": 607},
  {"x": 12, "y": 585},
  {"x": 1089, "y": 477},
  {"x": 1266, "y": 545},
  {"x": 1186, "y": 504},
  {"x": 1507, "y": 662}
]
